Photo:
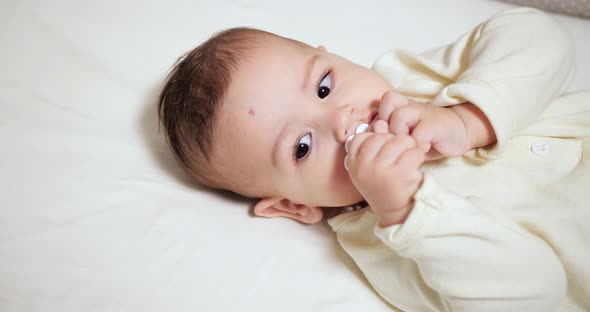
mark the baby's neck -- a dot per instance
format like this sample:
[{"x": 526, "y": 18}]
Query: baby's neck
[{"x": 332, "y": 212}]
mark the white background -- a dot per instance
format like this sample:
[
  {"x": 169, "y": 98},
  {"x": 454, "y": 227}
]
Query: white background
[{"x": 94, "y": 213}]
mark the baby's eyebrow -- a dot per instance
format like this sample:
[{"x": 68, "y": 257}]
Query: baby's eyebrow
[{"x": 308, "y": 67}]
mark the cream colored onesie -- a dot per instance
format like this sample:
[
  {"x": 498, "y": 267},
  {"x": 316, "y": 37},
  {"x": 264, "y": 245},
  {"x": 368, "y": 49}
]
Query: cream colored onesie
[{"x": 503, "y": 228}]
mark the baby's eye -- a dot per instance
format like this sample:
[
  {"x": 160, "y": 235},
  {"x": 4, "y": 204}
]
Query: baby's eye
[
  {"x": 302, "y": 147},
  {"x": 325, "y": 86}
]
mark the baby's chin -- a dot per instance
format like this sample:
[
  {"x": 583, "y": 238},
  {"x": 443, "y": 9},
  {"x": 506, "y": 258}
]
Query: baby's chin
[
  {"x": 349, "y": 200},
  {"x": 346, "y": 195}
]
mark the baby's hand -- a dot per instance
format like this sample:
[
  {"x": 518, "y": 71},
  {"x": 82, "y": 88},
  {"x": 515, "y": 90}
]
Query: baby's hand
[
  {"x": 439, "y": 131},
  {"x": 384, "y": 169}
]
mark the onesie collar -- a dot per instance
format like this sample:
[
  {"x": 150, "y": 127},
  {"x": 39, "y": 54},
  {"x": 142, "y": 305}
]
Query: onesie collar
[{"x": 344, "y": 214}]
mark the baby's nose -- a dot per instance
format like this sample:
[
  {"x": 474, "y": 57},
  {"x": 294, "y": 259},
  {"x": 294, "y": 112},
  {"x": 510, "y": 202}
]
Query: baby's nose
[{"x": 342, "y": 122}]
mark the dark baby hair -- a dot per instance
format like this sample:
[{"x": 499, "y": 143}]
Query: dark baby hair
[{"x": 191, "y": 95}]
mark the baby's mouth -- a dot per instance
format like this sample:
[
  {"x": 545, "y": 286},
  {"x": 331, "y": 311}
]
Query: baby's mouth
[
  {"x": 373, "y": 118},
  {"x": 359, "y": 205}
]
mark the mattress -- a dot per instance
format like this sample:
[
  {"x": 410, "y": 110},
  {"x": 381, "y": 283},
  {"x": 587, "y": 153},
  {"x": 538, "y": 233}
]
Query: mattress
[{"x": 95, "y": 213}]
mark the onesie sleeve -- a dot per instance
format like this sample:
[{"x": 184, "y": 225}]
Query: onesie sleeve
[
  {"x": 473, "y": 260},
  {"x": 511, "y": 66}
]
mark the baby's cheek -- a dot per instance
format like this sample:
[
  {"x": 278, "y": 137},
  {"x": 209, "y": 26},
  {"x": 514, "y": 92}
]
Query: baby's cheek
[
  {"x": 332, "y": 183},
  {"x": 338, "y": 177},
  {"x": 342, "y": 188}
]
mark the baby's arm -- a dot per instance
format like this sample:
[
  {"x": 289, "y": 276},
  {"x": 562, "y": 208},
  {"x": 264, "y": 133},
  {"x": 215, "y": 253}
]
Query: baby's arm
[
  {"x": 511, "y": 67},
  {"x": 472, "y": 259}
]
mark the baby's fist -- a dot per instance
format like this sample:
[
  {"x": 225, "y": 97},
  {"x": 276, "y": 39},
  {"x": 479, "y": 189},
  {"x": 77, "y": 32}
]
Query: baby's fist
[
  {"x": 439, "y": 131},
  {"x": 385, "y": 170}
]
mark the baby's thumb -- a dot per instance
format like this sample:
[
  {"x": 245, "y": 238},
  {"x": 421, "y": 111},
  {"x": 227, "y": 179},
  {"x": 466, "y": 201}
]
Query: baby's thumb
[
  {"x": 423, "y": 138},
  {"x": 426, "y": 142}
]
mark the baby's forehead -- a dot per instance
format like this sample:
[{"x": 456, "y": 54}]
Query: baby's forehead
[
  {"x": 272, "y": 45},
  {"x": 271, "y": 73},
  {"x": 271, "y": 63}
]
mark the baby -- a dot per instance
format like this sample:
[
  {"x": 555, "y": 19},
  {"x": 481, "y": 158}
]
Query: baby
[{"x": 475, "y": 187}]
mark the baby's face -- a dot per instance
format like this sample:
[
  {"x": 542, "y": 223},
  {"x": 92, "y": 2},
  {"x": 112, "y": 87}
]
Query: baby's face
[{"x": 285, "y": 119}]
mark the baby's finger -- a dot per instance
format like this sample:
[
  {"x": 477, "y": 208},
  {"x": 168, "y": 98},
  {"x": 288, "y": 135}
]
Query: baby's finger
[
  {"x": 380, "y": 126},
  {"x": 403, "y": 119},
  {"x": 411, "y": 158},
  {"x": 393, "y": 148},
  {"x": 370, "y": 147},
  {"x": 424, "y": 135},
  {"x": 351, "y": 147},
  {"x": 433, "y": 154},
  {"x": 390, "y": 101},
  {"x": 354, "y": 143}
]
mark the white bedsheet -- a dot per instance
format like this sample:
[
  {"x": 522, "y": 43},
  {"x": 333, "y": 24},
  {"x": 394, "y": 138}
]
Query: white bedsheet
[{"x": 94, "y": 213}]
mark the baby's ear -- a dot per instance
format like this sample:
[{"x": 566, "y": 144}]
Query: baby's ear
[
  {"x": 275, "y": 206},
  {"x": 322, "y": 48}
]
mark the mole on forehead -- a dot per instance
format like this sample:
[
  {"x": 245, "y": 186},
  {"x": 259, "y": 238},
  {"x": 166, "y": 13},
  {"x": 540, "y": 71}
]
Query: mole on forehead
[{"x": 251, "y": 112}]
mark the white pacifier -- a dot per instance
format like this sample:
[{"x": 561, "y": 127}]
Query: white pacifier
[{"x": 359, "y": 129}]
